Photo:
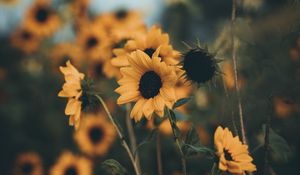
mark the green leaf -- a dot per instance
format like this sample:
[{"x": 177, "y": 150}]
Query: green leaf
[
  {"x": 200, "y": 149},
  {"x": 180, "y": 102},
  {"x": 114, "y": 166},
  {"x": 148, "y": 139},
  {"x": 173, "y": 121},
  {"x": 192, "y": 138},
  {"x": 279, "y": 149}
]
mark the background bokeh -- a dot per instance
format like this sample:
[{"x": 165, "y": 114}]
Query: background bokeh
[{"x": 268, "y": 41}]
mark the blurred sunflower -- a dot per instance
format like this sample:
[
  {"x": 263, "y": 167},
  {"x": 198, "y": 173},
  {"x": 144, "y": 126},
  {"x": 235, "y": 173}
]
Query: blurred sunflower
[
  {"x": 66, "y": 51},
  {"x": 233, "y": 155},
  {"x": 28, "y": 164},
  {"x": 283, "y": 107},
  {"x": 9, "y": 2},
  {"x": 41, "y": 19},
  {"x": 69, "y": 164},
  {"x": 148, "y": 43},
  {"x": 95, "y": 69},
  {"x": 25, "y": 40},
  {"x": 94, "y": 41},
  {"x": 119, "y": 36},
  {"x": 121, "y": 19},
  {"x": 148, "y": 82},
  {"x": 73, "y": 91},
  {"x": 96, "y": 135}
]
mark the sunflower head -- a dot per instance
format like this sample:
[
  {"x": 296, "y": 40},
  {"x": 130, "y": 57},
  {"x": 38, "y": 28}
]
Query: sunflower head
[
  {"x": 70, "y": 164},
  {"x": 25, "y": 40},
  {"x": 233, "y": 156},
  {"x": 76, "y": 90},
  {"x": 199, "y": 65},
  {"x": 148, "y": 42},
  {"x": 41, "y": 19},
  {"x": 148, "y": 82},
  {"x": 96, "y": 135},
  {"x": 94, "y": 41},
  {"x": 66, "y": 51},
  {"x": 28, "y": 164}
]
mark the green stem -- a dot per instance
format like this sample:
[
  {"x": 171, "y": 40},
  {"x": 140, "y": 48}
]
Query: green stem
[
  {"x": 123, "y": 141},
  {"x": 158, "y": 155},
  {"x": 131, "y": 135},
  {"x": 183, "y": 162},
  {"x": 234, "y": 59}
]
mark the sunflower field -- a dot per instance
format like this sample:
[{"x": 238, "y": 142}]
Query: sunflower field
[{"x": 149, "y": 87}]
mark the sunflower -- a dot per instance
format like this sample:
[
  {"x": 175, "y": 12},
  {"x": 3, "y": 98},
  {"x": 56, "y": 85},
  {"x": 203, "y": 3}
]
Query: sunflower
[
  {"x": 148, "y": 82},
  {"x": 66, "y": 51},
  {"x": 199, "y": 65},
  {"x": 119, "y": 36},
  {"x": 28, "y": 164},
  {"x": 96, "y": 135},
  {"x": 94, "y": 41},
  {"x": 73, "y": 91},
  {"x": 70, "y": 164},
  {"x": 233, "y": 155},
  {"x": 121, "y": 19},
  {"x": 41, "y": 19},
  {"x": 149, "y": 44},
  {"x": 25, "y": 40}
]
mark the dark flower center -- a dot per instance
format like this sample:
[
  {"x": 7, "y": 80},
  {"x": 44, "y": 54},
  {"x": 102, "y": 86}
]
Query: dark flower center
[
  {"x": 121, "y": 14},
  {"x": 26, "y": 35},
  {"x": 199, "y": 65},
  {"x": 120, "y": 44},
  {"x": 71, "y": 171},
  {"x": 227, "y": 155},
  {"x": 150, "y": 84},
  {"x": 42, "y": 14},
  {"x": 149, "y": 52},
  {"x": 95, "y": 134},
  {"x": 27, "y": 168},
  {"x": 91, "y": 42}
]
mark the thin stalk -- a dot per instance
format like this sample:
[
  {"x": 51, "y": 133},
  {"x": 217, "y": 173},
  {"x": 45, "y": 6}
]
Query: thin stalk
[
  {"x": 234, "y": 59},
  {"x": 183, "y": 162},
  {"x": 123, "y": 141},
  {"x": 131, "y": 135},
  {"x": 158, "y": 155},
  {"x": 267, "y": 140}
]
